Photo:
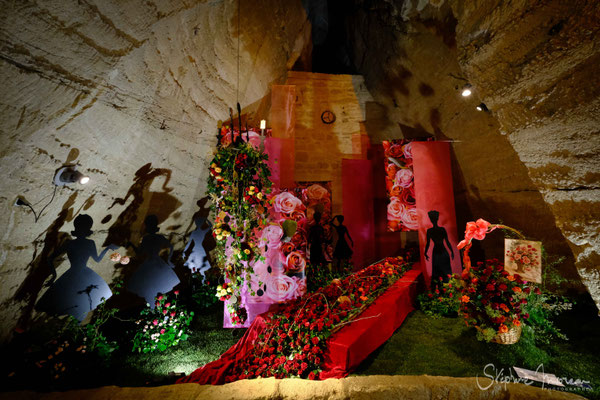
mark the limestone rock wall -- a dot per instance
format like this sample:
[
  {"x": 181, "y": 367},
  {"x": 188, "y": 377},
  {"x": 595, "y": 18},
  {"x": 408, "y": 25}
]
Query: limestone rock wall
[
  {"x": 416, "y": 56},
  {"x": 536, "y": 65},
  {"x": 132, "y": 91}
]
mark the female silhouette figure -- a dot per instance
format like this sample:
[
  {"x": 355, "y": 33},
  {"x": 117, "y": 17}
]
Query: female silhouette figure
[
  {"x": 154, "y": 275},
  {"x": 440, "y": 263},
  {"x": 316, "y": 236},
  {"x": 342, "y": 251},
  {"x": 79, "y": 290}
]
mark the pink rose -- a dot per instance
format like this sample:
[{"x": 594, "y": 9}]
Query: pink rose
[
  {"x": 281, "y": 288},
  {"x": 301, "y": 282},
  {"x": 403, "y": 178},
  {"x": 286, "y": 203},
  {"x": 273, "y": 234},
  {"x": 395, "y": 209},
  {"x": 407, "y": 150},
  {"x": 409, "y": 218},
  {"x": 295, "y": 262},
  {"x": 316, "y": 192}
]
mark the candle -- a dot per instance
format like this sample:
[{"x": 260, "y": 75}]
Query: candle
[{"x": 263, "y": 124}]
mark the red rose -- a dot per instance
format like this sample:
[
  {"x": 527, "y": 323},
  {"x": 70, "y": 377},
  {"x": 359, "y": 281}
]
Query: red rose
[{"x": 315, "y": 340}]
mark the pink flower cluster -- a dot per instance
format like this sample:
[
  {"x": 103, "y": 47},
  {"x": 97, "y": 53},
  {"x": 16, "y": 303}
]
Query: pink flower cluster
[{"x": 401, "y": 210}]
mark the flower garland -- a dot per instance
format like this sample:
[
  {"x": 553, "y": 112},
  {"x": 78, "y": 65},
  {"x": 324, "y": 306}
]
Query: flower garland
[
  {"x": 237, "y": 185},
  {"x": 295, "y": 336}
]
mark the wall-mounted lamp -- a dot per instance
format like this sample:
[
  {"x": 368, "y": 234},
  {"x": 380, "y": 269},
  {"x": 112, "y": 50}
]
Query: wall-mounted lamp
[
  {"x": 68, "y": 175},
  {"x": 466, "y": 91},
  {"x": 482, "y": 107}
]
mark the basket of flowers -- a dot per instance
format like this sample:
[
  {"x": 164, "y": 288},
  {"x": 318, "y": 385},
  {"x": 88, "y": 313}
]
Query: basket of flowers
[{"x": 492, "y": 299}]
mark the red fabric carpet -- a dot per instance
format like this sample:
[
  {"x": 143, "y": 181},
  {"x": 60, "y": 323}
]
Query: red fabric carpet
[{"x": 346, "y": 349}]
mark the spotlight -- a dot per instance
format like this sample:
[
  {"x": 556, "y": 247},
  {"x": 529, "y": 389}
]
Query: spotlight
[
  {"x": 67, "y": 175},
  {"x": 482, "y": 107},
  {"x": 466, "y": 92}
]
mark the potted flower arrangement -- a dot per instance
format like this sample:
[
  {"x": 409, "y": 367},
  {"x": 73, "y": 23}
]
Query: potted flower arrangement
[{"x": 492, "y": 300}]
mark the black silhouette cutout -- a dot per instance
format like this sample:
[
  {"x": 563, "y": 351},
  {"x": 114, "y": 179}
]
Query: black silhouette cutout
[
  {"x": 79, "y": 290},
  {"x": 316, "y": 236},
  {"x": 197, "y": 256},
  {"x": 154, "y": 274},
  {"x": 440, "y": 263},
  {"x": 342, "y": 251}
]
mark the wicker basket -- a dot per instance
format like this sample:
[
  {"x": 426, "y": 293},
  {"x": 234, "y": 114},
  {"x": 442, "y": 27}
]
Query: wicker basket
[
  {"x": 511, "y": 337},
  {"x": 514, "y": 333}
]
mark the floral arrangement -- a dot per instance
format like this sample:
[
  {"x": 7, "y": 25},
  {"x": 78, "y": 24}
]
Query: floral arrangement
[
  {"x": 493, "y": 300},
  {"x": 444, "y": 302},
  {"x": 294, "y": 339},
  {"x": 164, "y": 326},
  {"x": 72, "y": 347},
  {"x": 238, "y": 186},
  {"x": 399, "y": 181}
]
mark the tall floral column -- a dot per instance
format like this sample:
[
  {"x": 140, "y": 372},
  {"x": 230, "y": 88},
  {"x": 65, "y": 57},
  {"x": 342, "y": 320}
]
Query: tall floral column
[{"x": 238, "y": 186}]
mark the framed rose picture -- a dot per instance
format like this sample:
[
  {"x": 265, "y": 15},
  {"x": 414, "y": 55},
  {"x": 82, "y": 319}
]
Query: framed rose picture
[{"x": 523, "y": 257}]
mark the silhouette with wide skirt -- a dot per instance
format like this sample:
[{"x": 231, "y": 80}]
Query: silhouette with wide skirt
[
  {"x": 197, "y": 257},
  {"x": 440, "y": 259},
  {"x": 154, "y": 275},
  {"x": 79, "y": 290}
]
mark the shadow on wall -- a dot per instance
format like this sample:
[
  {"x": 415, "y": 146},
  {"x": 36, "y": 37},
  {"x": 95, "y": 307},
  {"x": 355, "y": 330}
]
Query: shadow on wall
[
  {"x": 38, "y": 269},
  {"x": 143, "y": 202}
]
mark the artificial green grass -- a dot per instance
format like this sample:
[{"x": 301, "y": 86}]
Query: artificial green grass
[
  {"x": 207, "y": 341},
  {"x": 446, "y": 347}
]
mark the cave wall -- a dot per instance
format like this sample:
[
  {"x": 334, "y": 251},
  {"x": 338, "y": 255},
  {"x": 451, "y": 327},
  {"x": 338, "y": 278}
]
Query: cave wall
[
  {"x": 532, "y": 162},
  {"x": 132, "y": 91},
  {"x": 535, "y": 64}
]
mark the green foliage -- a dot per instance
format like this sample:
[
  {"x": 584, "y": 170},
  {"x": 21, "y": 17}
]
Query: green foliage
[
  {"x": 441, "y": 303},
  {"x": 203, "y": 290},
  {"x": 543, "y": 309},
  {"x": 320, "y": 276},
  {"x": 162, "y": 327}
]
